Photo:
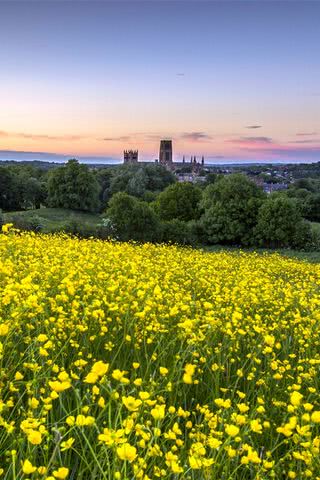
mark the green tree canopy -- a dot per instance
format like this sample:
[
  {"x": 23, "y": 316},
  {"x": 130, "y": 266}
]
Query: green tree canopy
[
  {"x": 138, "y": 179},
  {"x": 312, "y": 207},
  {"x": 280, "y": 224},
  {"x": 179, "y": 201},
  {"x": 11, "y": 195},
  {"x": 231, "y": 207},
  {"x": 73, "y": 186},
  {"x": 133, "y": 219}
]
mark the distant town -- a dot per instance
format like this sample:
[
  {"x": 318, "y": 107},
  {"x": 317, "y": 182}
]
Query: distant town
[{"x": 269, "y": 176}]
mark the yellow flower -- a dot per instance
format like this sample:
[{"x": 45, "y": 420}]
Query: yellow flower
[
  {"x": 83, "y": 421},
  {"x": 34, "y": 437},
  {"x": 61, "y": 473},
  {"x": 189, "y": 370},
  {"x": 295, "y": 398},
  {"x": 18, "y": 376},
  {"x": 232, "y": 430},
  {"x": 315, "y": 416},
  {"x": 67, "y": 444},
  {"x": 127, "y": 452},
  {"x": 70, "y": 420},
  {"x": 6, "y": 227},
  {"x": 163, "y": 371},
  {"x": 158, "y": 412},
  {"x": 144, "y": 395},
  {"x": 33, "y": 402},
  {"x": 42, "y": 337},
  {"x": 131, "y": 403},
  {"x": 63, "y": 376},
  {"x": 256, "y": 426},
  {"x": 28, "y": 468},
  {"x": 100, "y": 368},
  {"x": 58, "y": 387},
  {"x": 214, "y": 442},
  {"x": 195, "y": 462},
  {"x": 120, "y": 376},
  {"x": 4, "y": 329},
  {"x": 91, "y": 378}
]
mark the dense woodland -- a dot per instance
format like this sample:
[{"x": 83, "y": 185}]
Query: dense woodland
[{"x": 146, "y": 203}]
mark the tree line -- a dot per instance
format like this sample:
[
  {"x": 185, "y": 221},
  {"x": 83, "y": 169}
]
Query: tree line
[{"x": 146, "y": 203}]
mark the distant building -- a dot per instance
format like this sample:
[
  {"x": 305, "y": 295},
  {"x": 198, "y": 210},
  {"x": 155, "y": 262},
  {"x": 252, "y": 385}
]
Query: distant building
[
  {"x": 190, "y": 177},
  {"x": 197, "y": 166},
  {"x": 130, "y": 156},
  {"x": 165, "y": 154},
  {"x": 274, "y": 187}
]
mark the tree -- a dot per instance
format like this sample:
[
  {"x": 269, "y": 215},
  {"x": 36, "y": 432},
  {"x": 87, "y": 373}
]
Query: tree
[
  {"x": 311, "y": 209},
  {"x": 137, "y": 185},
  {"x": 179, "y": 201},
  {"x": 133, "y": 219},
  {"x": 177, "y": 231},
  {"x": 73, "y": 186},
  {"x": 34, "y": 192},
  {"x": 280, "y": 224},
  {"x": 230, "y": 208},
  {"x": 104, "y": 177},
  {"x": 11, "y": 195},
  {"x": 211, "y": 178},
  {"x": 159, "y": 177},
  {"x": 138, "y": 179}
]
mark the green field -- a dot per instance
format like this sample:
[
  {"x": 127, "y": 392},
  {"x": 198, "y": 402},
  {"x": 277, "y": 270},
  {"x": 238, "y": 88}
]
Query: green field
[
  {"x": 55, "y": 219},
  {"x": 313, "y": 256}
]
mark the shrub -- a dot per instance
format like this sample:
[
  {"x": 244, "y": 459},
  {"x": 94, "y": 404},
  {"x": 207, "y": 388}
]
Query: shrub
[
  {"x": 179, "y": 201},
  {"x": 177, "y": 231},
  {"x": 133, "y": 219},
  {"x": 230, "y": 208},
  {"x": 280, "y": 224},
  {"x": 31, "y": 223}
]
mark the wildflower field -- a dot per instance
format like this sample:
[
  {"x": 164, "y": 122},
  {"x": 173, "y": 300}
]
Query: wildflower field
[{"x": 143, "y": 362}]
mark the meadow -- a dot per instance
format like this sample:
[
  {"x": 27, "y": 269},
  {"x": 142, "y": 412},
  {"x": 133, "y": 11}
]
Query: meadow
[
  {"x": 54, "y": 219},
  {"x": 123, "y": 361}
]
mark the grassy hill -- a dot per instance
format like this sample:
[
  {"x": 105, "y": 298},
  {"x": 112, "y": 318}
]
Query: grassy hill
[{"x": 55, "y": 219}]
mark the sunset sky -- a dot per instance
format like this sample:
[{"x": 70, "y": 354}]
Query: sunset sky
[{"x": 233, "y": 81}]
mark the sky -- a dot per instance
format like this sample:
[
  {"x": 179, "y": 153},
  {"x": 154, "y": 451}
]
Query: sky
[{"x": 235, "y": 81}]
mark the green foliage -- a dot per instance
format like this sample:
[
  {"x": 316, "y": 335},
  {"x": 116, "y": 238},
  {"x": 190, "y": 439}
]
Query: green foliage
[
  {"x": 34, "y": 192},
  {"x": 10, "y": 190},
  {"x": 137, "y": 179},
  {"x": 104, "y": 177},
  {"x": 313, "y": 243},
  {"x": 280, "y": 224},
  {"x": 307, "y": 193},
  {"x": 312, "y": 207},
  {"x": 177, "y": 231},
  {"x": 310, "y": 184},
  {"x": 21, "y": 187},
  {"x": 149, "y": 196},
  {"x": 54, "y": 219},
  {"x": 29, "y": 223},
  {"x": 133, "y": 219},
  {"x": 211, "y": 178},
  {"x": 179, "y": 201},
  {"x": 73, "y": 186},
  {"x": 230, "y": 210}
]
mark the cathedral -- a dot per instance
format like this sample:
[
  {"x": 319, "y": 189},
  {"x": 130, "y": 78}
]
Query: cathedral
[{"x": 130, "y": 156}]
